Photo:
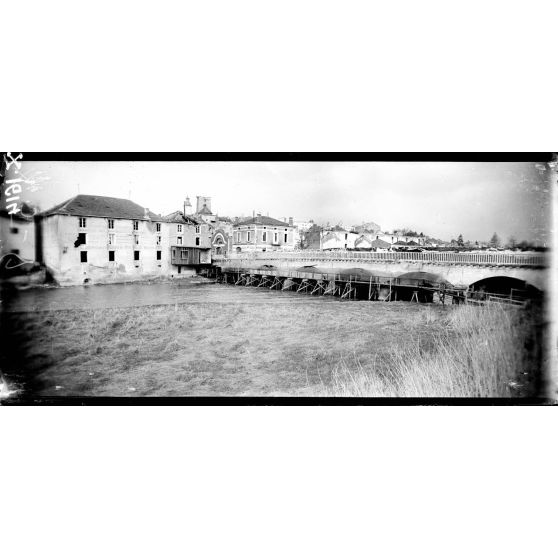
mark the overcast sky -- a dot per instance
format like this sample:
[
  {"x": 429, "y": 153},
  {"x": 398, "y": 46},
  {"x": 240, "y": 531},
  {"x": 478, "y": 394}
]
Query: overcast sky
[{"x": 439, "y": 199}]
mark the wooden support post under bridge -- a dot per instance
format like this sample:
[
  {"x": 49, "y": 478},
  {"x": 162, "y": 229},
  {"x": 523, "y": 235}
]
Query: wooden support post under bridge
[
  {"x": 319, "y": 287},
  {"x": 303, "y": 286},
  {"x": 251, "y": 280},
  {"x": 276, "y": 283}
]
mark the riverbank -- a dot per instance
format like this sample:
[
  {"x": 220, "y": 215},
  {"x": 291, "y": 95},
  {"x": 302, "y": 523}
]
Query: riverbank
[{"x": 279, "y": 346}]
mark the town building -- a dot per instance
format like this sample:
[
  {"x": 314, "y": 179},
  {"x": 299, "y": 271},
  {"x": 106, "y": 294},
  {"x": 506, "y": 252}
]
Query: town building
[
  {"x": 17, "y": 233},
  {"x": 102, "y": 239},
  {"x": 189, "y": 240},
  {"x": 338, "y": 238},
  {"x": 262, "y": 233}
]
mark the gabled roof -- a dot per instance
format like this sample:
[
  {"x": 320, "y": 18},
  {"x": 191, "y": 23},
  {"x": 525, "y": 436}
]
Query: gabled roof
[
  {"x": 179, "y": 217},
  {"x": 102, "y": 206},
  {"x": 379, "y": 243},
  {"x": 268, "y": 221}
]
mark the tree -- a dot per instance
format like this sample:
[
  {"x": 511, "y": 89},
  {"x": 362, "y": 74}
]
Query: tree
[
  {"x": 512, "y": 243},
  {"x": 460, "y": 240},
  {"x": 494, "y": 241}
]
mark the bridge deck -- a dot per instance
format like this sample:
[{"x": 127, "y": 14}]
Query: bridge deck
[{"x": 524, "y": 259}]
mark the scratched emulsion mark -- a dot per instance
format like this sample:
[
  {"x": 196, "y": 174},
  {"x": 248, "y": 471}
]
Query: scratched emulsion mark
[{"x": 12, "y": 188}]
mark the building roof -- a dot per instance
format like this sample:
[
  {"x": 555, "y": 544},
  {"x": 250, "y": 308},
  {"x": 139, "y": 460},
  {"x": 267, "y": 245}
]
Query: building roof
[
  {"x": 379, "y": 243},
  {"x": 102, "y": 206},
  {"x": 204, "y": 210},
  {"x": 264, "y": 220},
  {"x": 179, "y": 217}
]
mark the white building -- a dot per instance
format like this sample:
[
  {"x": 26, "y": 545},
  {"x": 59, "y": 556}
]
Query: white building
[
  {"x": 102, "y": 239},
  {"x": 261, "y": 233}
]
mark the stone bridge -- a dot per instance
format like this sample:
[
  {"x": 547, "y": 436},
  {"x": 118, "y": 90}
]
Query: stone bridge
[{"x": 462, "y": 269}]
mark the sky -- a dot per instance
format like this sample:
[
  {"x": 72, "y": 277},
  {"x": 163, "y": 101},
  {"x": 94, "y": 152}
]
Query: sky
[{"x": 441, "y": 199}]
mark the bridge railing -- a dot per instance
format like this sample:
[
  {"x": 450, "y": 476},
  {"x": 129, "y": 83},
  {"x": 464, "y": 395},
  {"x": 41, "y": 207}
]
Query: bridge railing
[{"x": 527, "y": 259}]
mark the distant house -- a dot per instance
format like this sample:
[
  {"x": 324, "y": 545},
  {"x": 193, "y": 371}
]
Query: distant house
[
  {"x": 261, "y": 233},
  {"x": 338, "y": 238},
  {"x": 380, "y": 245},
  {"x": 363, "y": 242}
]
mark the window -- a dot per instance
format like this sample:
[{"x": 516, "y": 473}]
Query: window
[
  {"x": 179, "y": 228},
  {"x": 183, "y": 254},
  {"x": 197, "y": 240},
  {"x": 111, "y": 238},
  {"x": 111, "y": 255},
  {"x": 179, "y": 240},
  {"x": 158, "y": 254},
  {"x": 136, "y": 255},
  {"x": 173, "y": 254},
  {"x": 14, "y": 230},
  {"x": 158, "y": 227},
  {"x": 82, "y": 222},
  {"x": 286, "y": 237},
  {"x": 198, "y": 229},
  {"x": 83, "y": 257},
  {"x": 136, "y": 239},
  {"x": 264, "y": 237},
  {"x": 179, "y": 269},
  {"x": 111, "y": 223},
  {"x": 158, "y": 241},
  {"x": 346, "y": 236},
  {"x": 248, "y": 236},
  {"x": 81, "y": 239},
  {"x": 136, "y": 225},
  {"x": 275, "y": 237}
]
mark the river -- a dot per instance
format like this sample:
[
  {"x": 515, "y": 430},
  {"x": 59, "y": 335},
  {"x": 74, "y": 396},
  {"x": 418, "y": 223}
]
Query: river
[{"x": 185, "y": 291}]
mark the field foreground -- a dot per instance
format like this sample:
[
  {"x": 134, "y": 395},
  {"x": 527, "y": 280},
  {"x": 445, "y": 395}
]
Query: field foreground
[{"x": 322, "y": 348}]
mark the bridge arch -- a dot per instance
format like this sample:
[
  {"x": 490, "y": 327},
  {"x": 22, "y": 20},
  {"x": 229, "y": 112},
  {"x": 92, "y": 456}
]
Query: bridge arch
[{"x": 505, "y": 285}]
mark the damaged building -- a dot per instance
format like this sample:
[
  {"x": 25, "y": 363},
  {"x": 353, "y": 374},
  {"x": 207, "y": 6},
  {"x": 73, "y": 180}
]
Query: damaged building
[{"x": 103, "y": 239}]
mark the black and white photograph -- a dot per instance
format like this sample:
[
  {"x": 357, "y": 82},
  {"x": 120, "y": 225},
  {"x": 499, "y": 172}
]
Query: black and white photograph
[
  {"x": 278, "y": 279},
  {"x": 295, "y": 278}
]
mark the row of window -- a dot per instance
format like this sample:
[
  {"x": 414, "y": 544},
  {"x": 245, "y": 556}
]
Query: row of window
[
  {"x": 82, "y": 239},
  {"x": 83, "y": 225},
  {"x": 111, "y": 255},
  {"x": 83, "y": 256},
  {"x": 264, "y": 237}
]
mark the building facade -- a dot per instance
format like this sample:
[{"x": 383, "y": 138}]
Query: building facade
[
  {"x": 261, "y": 234},
  {"x": 190, "y": 242},
  {"x": 102, "y": 239},
  {"x": 338, "y": 239}
]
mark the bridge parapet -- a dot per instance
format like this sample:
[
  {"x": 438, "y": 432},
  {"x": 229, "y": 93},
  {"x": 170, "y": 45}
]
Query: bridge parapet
[{"x": 524, "y": 259}]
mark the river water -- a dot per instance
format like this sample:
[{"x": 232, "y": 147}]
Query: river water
[{"x": 185, "y": 291}]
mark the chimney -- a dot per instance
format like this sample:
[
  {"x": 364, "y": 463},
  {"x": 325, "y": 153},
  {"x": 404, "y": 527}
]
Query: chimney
[
  {"x": 291, "y": 221},
  {"x": 146, "y": 215},
  {"x": 259, "y": 218}
]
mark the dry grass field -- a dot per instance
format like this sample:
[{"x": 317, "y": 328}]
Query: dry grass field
[{"x": 343, "y": 348}]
